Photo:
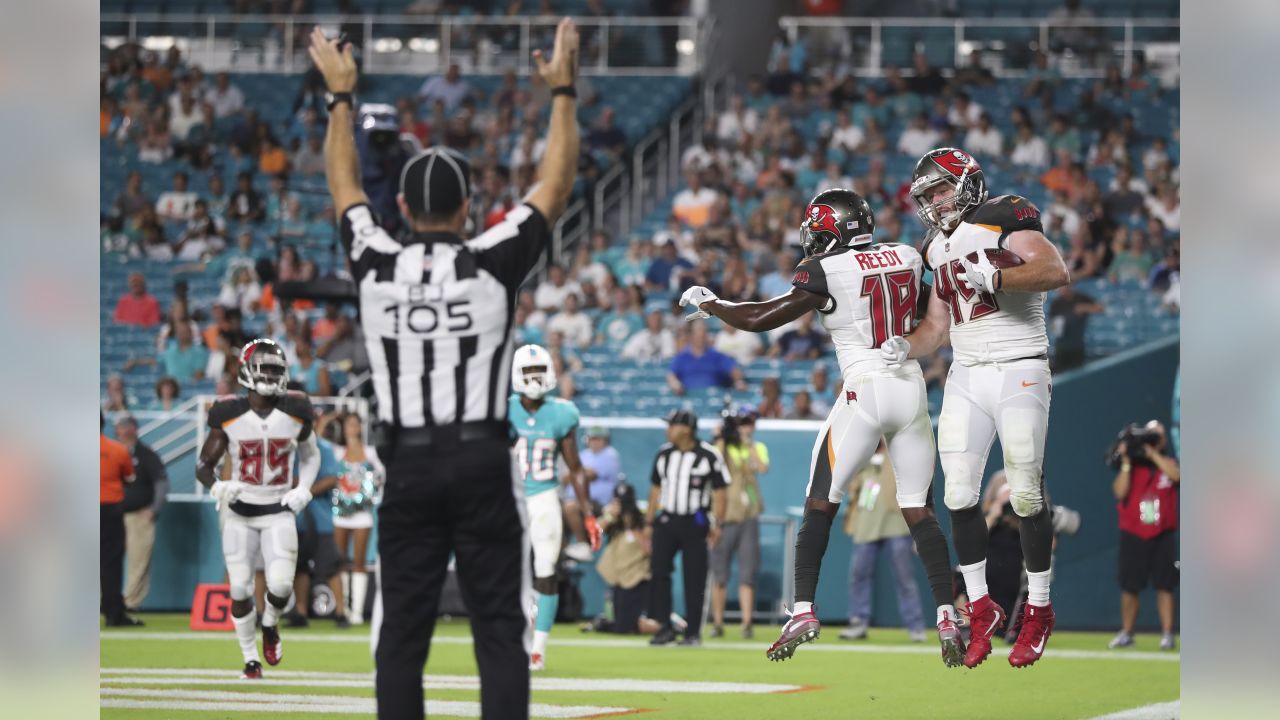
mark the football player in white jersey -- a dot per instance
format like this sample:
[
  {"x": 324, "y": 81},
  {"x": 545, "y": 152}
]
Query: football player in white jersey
[
  {"x": 864, "y": 293},
  {"x": 992, "y": 266},
  {"x": 261, "y": 432}
]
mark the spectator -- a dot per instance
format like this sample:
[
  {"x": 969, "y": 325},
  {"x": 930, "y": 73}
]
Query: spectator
[
  {"x": 226, "y": 98},
  {"x": 802, "y": 407},
  {"x": 572, "y": 323},
  {"x": 246, "y": 203},
  {"x": 606, "y": 135},
  {"x": 1166, "y": 207},
  {"x": 745, "y": 458},
  {"x": 272, "y": 159},
  {"x": 602, "y": 465},
  {"x": 144, "y": 498},
  {"x": 1146, "y": 489},
  {"x": 552, "y": 292},
  {"x": 224, "y": 265},
  {"x": 737, "y": 121},
  {"x": 820, "y": 394},
  {"x": 702, "y": 366},
  {"x": 217, "y": 198},
  {"x": 1029, "y": 150},
  {"x": 770, "y": 399},
  {"x": 137, "y": 307},
  {"x": 310, "y": 372},
  {"x": 1062, "y": 176},
  {"x": 1068, "y": 317},
  {"x": 1125, "y": 196},
  {"x": 1165, "y": 273},
  {"x": 132, "y": 200},
  {"x": 875, "y": 523},
  {"x": 449, "y": 89},
  {"x": 654, "y": 342},
  {"x": 927, "y": 80},
  {"x": 177, "y": 203},
  {"x": 918, "y": 138},
  {"x": 182, "y": 358},
  {"x": 743, "y": 347},
  {"x": 115, "y": 470},
  {"x": 616, "y": 326},
  {"x": 1131, "y": 263},
  {"x": 693, "y": 204},
  {"x": 118, "y": 399},
  {"x": 662, "y": 272},
  {"x": 963, "y": 112},
  {"x": 778, "y": 282},
  {"x": 1062, "y": 136},
  {"x": 185, "y": 117},
  {"x": 984, "y": 139},
  {"x": 242, "y": 291},
  {"x": 345, "y": 350},
  {"x": 203, "y": 235},
  {"x": 799, "y": 343},
  {"x": 308, "y": 161}
]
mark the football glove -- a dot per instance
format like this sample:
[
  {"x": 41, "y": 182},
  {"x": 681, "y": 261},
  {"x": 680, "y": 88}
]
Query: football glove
[
  {"x": 981, "y": 276},
  {"x": 225, "y": 492},
  {"x": 296, "y": 499},
  {"x": 695, "y": 296},
  {"x": 894, "y": 351},
  {"x": 593, "y": 532}
]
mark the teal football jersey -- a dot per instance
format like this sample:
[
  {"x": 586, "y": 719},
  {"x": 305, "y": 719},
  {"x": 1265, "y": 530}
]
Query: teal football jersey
[{"x": 538, "y": 439}]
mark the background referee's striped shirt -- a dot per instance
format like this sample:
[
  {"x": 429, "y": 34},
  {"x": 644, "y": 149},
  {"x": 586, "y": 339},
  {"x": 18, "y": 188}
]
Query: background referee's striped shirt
[
  {"x": 688, "y": 478},
  {"x": 437, "y": 311}
]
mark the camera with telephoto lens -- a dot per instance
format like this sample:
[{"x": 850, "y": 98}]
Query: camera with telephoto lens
[
  {"x": 730, "y": 427},
  {"x": 1135, "y": 438}
]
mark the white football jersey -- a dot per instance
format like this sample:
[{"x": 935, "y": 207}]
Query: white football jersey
[
  {"x": 873, "y": 294},
  {"x": 987, "y": 327},
  {"x": 262, "y": 448}
]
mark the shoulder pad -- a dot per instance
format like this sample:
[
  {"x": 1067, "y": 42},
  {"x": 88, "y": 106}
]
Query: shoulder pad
[
  {"x": 1006, "y": 214},
  {"x": 297, "y": 405},
  {"x": 225, "y": 409}
]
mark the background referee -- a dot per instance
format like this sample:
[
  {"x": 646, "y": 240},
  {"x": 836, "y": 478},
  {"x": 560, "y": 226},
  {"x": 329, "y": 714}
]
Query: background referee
[
  {"x": 437, "y": 311},
  {"x": 686, "y": 503}
]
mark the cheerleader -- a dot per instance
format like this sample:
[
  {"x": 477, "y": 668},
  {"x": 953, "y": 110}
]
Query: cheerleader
[{"x": 359, "y": 489}]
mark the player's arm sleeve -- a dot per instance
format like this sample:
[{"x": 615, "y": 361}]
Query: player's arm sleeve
[
  {"x": 308, "y": 461},
  {"x": 1009, "y": 214},
  {"x": 512, "y": 249},
  {"x": 366, "y": 243},
  {"x": 810, "y": 276}
]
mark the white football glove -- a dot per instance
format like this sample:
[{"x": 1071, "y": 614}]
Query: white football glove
[
  {"x": 895, "y": 350},
  {"x": 695, "y": 296},
  {"x": 225, "y": 492},
  {"x": 296, "y": 499},
  {"x": 981, "y": 276}
]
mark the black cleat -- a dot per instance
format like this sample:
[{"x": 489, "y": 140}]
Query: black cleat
[{"x": 665, "y": 636}]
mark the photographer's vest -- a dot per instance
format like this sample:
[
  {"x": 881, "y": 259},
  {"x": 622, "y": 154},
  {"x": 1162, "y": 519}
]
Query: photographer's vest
[
  {"x": 744, "y": 500},
  {"x": 1151, "y": 507}
]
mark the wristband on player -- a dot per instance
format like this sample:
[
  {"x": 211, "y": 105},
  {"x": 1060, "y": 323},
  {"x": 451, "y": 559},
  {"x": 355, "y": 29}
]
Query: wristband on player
[{"x": 566, "y": 90}]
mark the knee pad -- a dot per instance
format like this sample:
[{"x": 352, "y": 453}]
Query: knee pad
[
  {"x": 1018, "y": 431},
  {"x": 960, "y": 481},
  {"x": 280, "y": 577},
  {"x": 277, "y": 599},
  {"x": 1026, "y": 494},
  {"x": 241, "y": 591}
]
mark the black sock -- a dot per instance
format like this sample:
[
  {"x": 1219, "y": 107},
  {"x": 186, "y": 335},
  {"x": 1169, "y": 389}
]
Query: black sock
[
  {"x": 1036, "y": 533},
  {"x": 969, "y": 533},
  {"x": 932, "y": 548},
  {"x": 811, "y": 545}
]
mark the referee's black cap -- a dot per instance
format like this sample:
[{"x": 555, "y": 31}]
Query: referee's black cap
[
  {"x": 683, "y": 416},
  {"x": 436, "y": 181}
]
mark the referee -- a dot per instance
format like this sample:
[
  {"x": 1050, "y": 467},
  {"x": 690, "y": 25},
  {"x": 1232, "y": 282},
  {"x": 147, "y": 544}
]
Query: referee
[
  {"x": 686, "y": 503},
  {"x": 437, "y": 313}
]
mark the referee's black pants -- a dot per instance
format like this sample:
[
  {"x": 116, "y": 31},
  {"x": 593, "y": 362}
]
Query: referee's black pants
[
  {"x": 111, "y": 560},
  {"x": 686, "y": 535},
  {"x": 438, "y": 501}
]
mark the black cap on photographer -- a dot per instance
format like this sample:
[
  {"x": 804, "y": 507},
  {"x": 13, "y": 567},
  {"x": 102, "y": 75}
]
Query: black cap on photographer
[{"x": 436, "y": 181}]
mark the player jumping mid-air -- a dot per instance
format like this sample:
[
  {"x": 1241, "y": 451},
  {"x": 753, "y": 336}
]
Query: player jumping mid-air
[
  {"x": 546, "y": 429},
  {"x": 261, "y": 432},
  {"x": 992, "y": 266},
  {"x": 864, "y": 292}
]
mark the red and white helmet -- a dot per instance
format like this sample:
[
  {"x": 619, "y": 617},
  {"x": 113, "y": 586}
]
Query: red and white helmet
[
  {"x": 957, "y": 169},
  {"x": 533, "y": 372},
  {"x": 264, "y": 368}
]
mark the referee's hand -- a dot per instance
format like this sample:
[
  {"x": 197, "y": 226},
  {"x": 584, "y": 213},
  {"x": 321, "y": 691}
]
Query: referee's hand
[
  {"x": 563, "y": 66},
  {"x": 335, "y": 63}
]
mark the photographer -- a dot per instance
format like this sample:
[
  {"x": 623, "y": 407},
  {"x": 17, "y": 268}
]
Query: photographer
[
  {"x": 624, "y": 565},
  {"x": 746, "y": 458},
  {"x": 1146, "y": 489}
]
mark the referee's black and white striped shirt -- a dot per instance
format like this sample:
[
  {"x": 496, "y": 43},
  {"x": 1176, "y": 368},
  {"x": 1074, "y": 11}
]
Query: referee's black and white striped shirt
[
  {"x": 688, "y": 478},
  {"x": 437, "y": 312}
]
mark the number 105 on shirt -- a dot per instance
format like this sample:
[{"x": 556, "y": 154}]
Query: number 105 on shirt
[
  {"x": 426, "y": 317},
  {"x": 540, "y": 464}
]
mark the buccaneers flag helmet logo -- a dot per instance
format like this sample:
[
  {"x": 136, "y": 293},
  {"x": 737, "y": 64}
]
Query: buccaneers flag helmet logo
[
  {"x": 822, "y": 218},
  {"x": 957, "y": 163}
]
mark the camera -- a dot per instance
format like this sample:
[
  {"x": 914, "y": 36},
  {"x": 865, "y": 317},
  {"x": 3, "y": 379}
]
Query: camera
[
  {"x": 1065, "y": 520},
  {"x": 1135, "y": 438},
  {"x": 730, "y": 428}
]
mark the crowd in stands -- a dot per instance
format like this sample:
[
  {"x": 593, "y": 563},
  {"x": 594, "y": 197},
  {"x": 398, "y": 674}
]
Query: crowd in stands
[{"x": 239, "y": 207}]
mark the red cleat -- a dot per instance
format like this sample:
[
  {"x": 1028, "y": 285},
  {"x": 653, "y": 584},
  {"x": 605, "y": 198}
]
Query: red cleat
[
  {"x": 799, "y": 629},
  {"x": 952, "y": 643},
  {"x": 252, "y": 671},
  {"x": 1037, "y": 626},
  {"x": 272, "y": 648},
  {"x": 985, "y": 620}
]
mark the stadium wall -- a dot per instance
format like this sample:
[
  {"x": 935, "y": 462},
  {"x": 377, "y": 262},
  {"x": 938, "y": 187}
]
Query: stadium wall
[{"x": 1089, "y": 408}]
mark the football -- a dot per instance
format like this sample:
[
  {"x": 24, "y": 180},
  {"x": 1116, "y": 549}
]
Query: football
[{"x": 999, "y": 257}]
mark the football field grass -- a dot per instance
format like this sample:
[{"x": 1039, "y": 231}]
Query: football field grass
[{"x": 164, "y": 670}]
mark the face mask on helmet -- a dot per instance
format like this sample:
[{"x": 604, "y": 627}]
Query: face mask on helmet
[
  {"x": 945, "y": 211},
  {"x": 263, "y": 370},
  {"x": 532, "y": 373},
  {"x": 814, "y": 243}
]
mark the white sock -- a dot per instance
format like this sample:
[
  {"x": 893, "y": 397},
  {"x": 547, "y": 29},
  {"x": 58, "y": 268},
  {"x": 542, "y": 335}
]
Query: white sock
[
  {"x": 247, "y": 635},
  {"x": 946, "y": 612},
  {"x": 270, "y": 615},
  {"x": 1038, "y": 588},
  {"x": 975, "y": 580},
  {"x": 801, "y": 608},
  {"x": 359, "y": 587},
  {"x": 540, "y": 642}
]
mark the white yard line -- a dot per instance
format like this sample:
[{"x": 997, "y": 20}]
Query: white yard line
[
  {"x": 922, "y": 649},
  {"x": 1159, "y": 711},
  {"x": 259, "y": 703},
  {"x": 300, "y": 678}
]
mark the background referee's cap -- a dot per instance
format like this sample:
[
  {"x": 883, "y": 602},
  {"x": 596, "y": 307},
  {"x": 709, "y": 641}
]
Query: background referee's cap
[
  {"x": 683, "y": 416},
  {"x": 436, "y": 181}
]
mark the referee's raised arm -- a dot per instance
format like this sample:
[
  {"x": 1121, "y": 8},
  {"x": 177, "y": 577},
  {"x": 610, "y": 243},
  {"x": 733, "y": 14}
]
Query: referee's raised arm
[
  {"x": 559, "y": 165},
  {"x": 341, "y": 165}
]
